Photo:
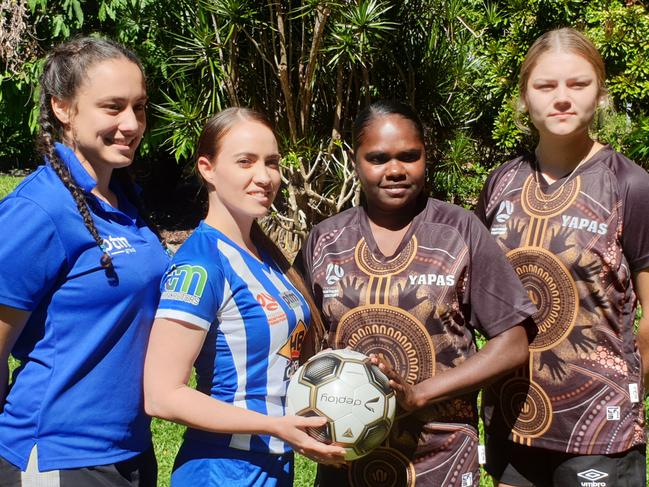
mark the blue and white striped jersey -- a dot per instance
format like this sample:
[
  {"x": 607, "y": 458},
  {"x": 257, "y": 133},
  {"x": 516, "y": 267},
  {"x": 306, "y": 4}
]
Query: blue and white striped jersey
[{"x": 256, "y": 321}]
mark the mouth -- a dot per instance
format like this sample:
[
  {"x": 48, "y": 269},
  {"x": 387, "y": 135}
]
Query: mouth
[
  {"x": 122, "y": 143},
  {"x": 396, "y": 189},
  {"x": 562, "y": 115},
  {"x": 261, "y": 196}
]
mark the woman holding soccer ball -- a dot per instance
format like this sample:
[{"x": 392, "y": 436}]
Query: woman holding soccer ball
[
  {"x": 407, "y": 279},
  {"x": 231, "y": 307},
  {"x": 572, "y": 217}
]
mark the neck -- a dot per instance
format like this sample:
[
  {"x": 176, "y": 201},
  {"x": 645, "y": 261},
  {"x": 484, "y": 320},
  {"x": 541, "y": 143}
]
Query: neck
[
  {"x": 102, "y": 176},
  {"x": 558, "y": 156},
  {"x": 236, "y": 229},
  {"x": 393, "y": 220}
]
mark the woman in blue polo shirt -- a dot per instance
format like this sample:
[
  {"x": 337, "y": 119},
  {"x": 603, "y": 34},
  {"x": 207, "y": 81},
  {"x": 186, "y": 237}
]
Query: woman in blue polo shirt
[
  {"x": 232, "y": 307},
  {"x": 78, "y": 287}
]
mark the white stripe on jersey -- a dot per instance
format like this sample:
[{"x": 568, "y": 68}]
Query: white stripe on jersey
[
  {"x": 234, "y": 332},
  {"x": 279, "y": 333},
  {"x": 175, "y": 314},
  {"x": 277, "y": 364}
]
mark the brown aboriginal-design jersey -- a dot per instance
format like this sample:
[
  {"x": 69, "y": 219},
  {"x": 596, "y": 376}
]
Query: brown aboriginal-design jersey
[
  {"x": 574, "y": 244},
  {"x": 418, "y": 308}
]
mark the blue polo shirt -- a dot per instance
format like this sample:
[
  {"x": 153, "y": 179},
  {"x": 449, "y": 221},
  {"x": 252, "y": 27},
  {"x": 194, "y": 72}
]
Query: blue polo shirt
[{"x": 78, "y": 392}]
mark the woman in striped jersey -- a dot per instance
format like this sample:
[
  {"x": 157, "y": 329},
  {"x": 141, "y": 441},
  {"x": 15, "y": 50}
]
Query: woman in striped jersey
[{"x": 232, "y": 307}]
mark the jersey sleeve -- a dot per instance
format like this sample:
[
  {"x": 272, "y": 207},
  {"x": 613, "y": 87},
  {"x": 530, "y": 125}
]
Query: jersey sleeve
[
  {"x": 191, "y": 291},
  {"x": 483, "y": 199},
  {"x": 635, "y": 226},
  {"x": 495, "y": 296},
  {"x": 32, "y": 254}
]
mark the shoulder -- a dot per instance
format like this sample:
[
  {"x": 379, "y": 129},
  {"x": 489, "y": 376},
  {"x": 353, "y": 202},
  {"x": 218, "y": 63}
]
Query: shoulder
[
  {"x": 627, "y": 173},
  {"x": 201, "y": 249},
  {"x": 441, "y": 212},
  {"x": 336, "y": 223}
]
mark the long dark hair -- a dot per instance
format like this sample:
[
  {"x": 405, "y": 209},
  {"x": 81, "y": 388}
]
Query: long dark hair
[
  {"x": 209, "y": 144},
  {"x": 65, "y": 70}
]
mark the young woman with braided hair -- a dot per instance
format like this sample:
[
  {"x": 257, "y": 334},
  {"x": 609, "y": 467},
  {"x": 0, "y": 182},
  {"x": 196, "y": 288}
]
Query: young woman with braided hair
[{"x": 79, "y": 284}]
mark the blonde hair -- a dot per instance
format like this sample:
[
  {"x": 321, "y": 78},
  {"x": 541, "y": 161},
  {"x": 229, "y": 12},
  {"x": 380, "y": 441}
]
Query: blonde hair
[{"x": 564, "y": 39}]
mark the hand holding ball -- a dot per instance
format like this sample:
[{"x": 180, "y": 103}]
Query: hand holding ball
[{"x": 351, "y": 392}]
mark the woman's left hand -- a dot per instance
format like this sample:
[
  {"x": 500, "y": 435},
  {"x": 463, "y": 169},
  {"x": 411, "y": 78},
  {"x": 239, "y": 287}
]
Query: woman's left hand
[{"x": 407, "y": 394}]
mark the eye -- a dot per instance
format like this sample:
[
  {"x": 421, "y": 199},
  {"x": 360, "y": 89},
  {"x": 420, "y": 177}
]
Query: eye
[
  {"x": 410, "y": 156},
  {"x": 140, "y": 107},
  {"x": 244, "y": 161},
  {"x": 377, "y": 158},
  {"x": 273, "y": 162}
]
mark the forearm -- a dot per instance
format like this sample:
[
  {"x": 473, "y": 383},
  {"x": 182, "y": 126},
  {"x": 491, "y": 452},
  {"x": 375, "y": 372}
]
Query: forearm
[
  {"x": 190, "y": 407},
  {"x": 499, "y": 356},
  {"x": 643, "y": 345}
]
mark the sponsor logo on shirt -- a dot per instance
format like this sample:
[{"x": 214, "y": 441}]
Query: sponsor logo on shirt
[
  {"x": 467, "y": 479},
  {"x": 291, "y": 349},
  {"x": 274, "y": 313},
  {"x": 118, "y": 245},
  {"x": 185, "y": 283},
  {"x": 592, "y": 226},
  {"x": 592, "y": 478},
  {"x": 334, "y": 274},
  {"x": 431, "y": 279},
  {"x": 291, "y": 299}
]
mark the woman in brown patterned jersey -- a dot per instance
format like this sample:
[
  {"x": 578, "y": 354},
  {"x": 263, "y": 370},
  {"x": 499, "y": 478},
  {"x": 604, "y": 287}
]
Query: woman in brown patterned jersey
[
  {"x": 572, "y": 218},
  {"x": 410, "y": 278}
]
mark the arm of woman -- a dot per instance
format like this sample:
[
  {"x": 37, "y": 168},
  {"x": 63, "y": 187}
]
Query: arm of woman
[
  {"x": 641, "y": 284},
  {"x": 12, "y": 322},
  {"x": 173, "y": 348},
  {"x": 500, "y": 355}
]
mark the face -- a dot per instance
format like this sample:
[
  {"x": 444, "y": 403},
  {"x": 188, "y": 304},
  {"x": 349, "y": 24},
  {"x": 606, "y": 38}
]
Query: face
[
  {"x": 245, "y": 172},
  {"x": 105, "y": 121},
  {"x": 391, "y": 163},
  {"x": 562, "y": 94}
]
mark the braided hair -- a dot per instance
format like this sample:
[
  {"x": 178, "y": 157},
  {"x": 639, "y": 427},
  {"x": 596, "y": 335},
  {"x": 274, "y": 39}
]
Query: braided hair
[{"x": 65, "y": 69}]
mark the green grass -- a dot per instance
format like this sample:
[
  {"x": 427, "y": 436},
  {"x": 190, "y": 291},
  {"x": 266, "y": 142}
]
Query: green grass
[{"x": 7, "y": 184}]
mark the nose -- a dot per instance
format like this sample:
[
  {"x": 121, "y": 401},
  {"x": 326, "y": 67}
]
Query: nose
[
  {"x": 129, "y": 121},
  {"x": 395, "y": 169},
  {"x": 262, "y": 176},
  {"x": 562, "y": 101}
]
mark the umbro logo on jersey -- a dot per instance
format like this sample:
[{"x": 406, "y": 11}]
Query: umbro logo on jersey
[
  {"x": 592, "y": 226},
  {"x": 431, "y": 279},
  {"x": 117, "y": 245},
  {"x": 592, "y": 478},
  {"x": 334, "y": 273}
]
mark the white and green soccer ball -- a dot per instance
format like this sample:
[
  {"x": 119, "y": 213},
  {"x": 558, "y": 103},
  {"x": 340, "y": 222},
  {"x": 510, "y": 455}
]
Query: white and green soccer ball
[{"x": 352, "y": 393}]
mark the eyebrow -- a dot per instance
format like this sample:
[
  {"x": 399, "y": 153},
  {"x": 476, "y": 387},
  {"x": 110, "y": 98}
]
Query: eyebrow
[
  {"x": 252, "y": 154},
  {"x": 407, "y": 152},
  {"x": 122, "y": 99}
]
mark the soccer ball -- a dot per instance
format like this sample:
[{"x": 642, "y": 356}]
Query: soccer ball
[{"x": 352, "y": 393}]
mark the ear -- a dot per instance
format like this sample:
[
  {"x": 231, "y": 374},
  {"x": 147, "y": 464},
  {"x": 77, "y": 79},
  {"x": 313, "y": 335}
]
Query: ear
[
  {"x": 62, "y": 109},
  {"x": 206, "y": 169}
]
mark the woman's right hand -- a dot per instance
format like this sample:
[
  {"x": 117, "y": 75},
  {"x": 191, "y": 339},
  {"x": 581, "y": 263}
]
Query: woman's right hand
[{"x": 292, "y": 429}]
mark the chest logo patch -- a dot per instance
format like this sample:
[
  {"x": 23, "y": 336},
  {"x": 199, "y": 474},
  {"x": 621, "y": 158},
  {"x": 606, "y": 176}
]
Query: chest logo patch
[
  {"x": 291, "y": 349},
  {"x": 117, "y": 245},
  {"x": 334, "y": 274}
]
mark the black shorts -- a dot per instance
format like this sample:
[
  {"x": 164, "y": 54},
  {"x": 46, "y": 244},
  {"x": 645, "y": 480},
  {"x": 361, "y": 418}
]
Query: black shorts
[
  {"x": 525, "y": 466},
  {"x": 139, "y": 471}
]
